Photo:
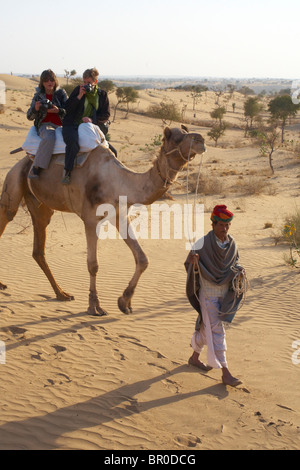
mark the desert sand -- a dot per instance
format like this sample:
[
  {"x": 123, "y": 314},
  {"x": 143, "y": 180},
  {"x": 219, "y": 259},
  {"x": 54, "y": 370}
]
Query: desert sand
[{"x": 122, "y": 382}]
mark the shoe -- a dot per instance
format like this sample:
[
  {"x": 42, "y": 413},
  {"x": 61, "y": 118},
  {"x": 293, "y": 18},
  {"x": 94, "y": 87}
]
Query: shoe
[
  {"x": 66, "y": 179},
  {"x": 34, "y": 172},
  {"x": 32, "y": 175}
]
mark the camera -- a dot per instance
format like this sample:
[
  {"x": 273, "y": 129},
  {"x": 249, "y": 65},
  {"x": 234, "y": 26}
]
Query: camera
[
  {"x": 88, "y": 88},
  {"x": 46, "y": 104}
]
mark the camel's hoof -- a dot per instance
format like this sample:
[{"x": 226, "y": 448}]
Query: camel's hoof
[
  {"x": 64, "y": 297},
  {"x": 2, "y": 286},
  {"x": 123, "y": 306},
  {"x": 96, "y": 312}
]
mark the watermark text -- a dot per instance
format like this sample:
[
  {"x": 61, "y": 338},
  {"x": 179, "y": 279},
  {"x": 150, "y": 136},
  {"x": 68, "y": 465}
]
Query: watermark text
[
  {"x": 2, "y": 93},
  {"x": 295, "y": 91},
  {"x": 296, "y": 354},
  {"x": 2, "y": 353},
  {"x": 155, "y": 222}
]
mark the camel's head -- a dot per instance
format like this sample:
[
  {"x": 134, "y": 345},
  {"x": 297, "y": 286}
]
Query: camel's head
[{"x": 181, "y": 146}]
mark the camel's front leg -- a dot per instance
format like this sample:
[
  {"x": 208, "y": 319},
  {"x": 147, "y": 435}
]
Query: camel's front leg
[
  {"x": 141, "y": 261},
  {"x": 41, "y": 216},
  {"x": 92, "y": 262}
]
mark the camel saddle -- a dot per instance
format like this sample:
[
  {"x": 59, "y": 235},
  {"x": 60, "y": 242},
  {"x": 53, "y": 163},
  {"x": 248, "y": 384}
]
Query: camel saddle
[{"x": 80, "y": 159}]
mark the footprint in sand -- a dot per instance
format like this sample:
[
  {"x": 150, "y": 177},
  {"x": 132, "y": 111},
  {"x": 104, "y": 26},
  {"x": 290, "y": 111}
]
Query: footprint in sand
[
  {"x": 59, "y": 381},
  {"x": 8, "y": 308},
  {"x": 5, "y": 293},
  {"x": 58, "y": 348},
  {"x": 188, "y": 440},
  {"x": 120, "y": 356},
  {"x": 14, "y": 330},
  {"x": 37, "y": 356},
  {"x": 171, "y": 385}
]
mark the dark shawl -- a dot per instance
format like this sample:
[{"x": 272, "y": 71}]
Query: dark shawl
[{"x": 215, "y": 265}]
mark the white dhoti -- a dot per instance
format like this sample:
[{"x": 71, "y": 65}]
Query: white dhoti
[{"x": 212, "y": 332}]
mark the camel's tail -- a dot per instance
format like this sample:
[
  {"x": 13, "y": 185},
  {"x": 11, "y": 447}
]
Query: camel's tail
[{"x": 19, "y": 149}]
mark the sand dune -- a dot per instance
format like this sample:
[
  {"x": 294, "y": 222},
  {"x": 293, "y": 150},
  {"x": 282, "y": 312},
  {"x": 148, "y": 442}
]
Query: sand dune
[{"x": 122, "y": 382}]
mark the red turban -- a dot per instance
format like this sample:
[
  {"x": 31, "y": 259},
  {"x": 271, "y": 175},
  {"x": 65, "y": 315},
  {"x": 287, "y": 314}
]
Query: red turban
[{"x": 222, "y": 214}]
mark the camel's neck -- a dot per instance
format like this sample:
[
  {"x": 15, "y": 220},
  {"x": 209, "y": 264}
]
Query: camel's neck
[{"x": 150, "y": 186}]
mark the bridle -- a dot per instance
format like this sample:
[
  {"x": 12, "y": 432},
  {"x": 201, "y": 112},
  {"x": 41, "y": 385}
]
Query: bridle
[{"x": 167, "y": 181}]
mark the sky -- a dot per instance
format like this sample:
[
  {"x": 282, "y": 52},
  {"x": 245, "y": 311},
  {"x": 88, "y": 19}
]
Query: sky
[{"x": 165, "y": 38}]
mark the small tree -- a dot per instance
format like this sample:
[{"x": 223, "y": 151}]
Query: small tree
[
  {"x": 107, "y": 85},
  {"x": 218, "y": 114},
  {"x": 69, "y": 74},
  {"x": 268, "y": 140},
  {"x": 217, "y": 131},
  {"x": 196, "y": 94},
  {"x": 245, "y": 90},
  {"x": 252, "y": 109},
  {"x": 282, "y": 108},
  {"x": 231, "y": 89},
  {"x": 126, "y": 94}
]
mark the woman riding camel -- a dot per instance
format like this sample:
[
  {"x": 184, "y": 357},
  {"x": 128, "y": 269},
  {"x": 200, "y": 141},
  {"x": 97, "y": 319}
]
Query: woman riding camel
[
  {"x": 87, "y": 103},
  {"x": 47, "y": 110}
]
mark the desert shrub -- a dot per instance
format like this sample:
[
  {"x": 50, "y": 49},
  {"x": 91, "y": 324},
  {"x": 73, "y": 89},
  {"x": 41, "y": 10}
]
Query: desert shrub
[
  {"x": 268, "y": 225},
  {"x": 155, "y": 142},
  {"x": 294, "y": 222},
  {"x": 291, "y": 233},
  {"x": 73, "y": 83},
  {"x": 208, "y": 185},
  {"x": 167, "y": 111},
  {"x": 252, "y": 185}
]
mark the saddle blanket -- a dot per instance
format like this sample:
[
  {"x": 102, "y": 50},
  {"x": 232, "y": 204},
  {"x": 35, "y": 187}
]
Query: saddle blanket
[{"x": 90, "y": 136}]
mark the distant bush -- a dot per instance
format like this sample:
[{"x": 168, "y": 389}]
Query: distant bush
[
  {"x": 73, "y": 83},
  {"x": 166, "y": 111},
  {"x": 206, "y": 185}
]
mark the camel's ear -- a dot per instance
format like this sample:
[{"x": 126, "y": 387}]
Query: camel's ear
[
  {"x": 184, "y": 128},
  {"x": 167, "y": 132}
]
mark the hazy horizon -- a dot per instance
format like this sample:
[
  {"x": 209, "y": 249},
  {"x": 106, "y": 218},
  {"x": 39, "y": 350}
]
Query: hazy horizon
[
  {"x": 158, "y": 77},
  {"x": 161, "y": 38}
]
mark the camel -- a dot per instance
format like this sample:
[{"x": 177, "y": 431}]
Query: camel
[{"x": 101, "y": 180}]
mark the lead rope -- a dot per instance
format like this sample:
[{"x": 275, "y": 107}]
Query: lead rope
[{"x": 240, "y": 286}]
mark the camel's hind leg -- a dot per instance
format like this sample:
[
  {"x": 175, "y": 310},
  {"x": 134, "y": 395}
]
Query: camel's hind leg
[
  {"x": 4, "y": 219},
  {"x": 41, "y": 216},
  {"x": 13, "y": 190},
  {"x": 3, "y": 222}
]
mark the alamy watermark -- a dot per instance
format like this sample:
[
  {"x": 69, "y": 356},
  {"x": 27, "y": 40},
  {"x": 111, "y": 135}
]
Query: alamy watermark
[
  {"x": 157, "y": 221},
  {"x": 296, "y": 354},
  {"x": 2, "y": 93},
  {"x": 295, "y": 91},
  {"x": 2, "y": 353}
]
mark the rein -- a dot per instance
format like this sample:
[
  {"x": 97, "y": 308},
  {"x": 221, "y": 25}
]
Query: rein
[
  {"x": 168, "y": 181},
  {"x": 240, "y": 286}
]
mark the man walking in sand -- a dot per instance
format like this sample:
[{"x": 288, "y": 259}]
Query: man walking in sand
[{"x": 213, "y": 271}]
